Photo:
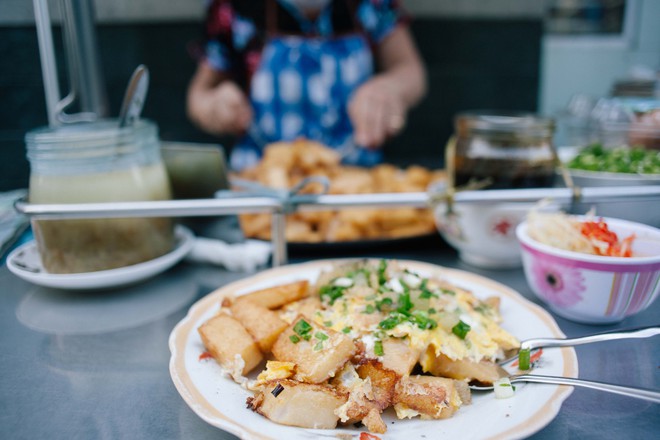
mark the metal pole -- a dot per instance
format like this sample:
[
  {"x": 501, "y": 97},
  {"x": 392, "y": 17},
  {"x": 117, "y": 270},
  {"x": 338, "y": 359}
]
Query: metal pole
[
  {"x": 86, "y": 76},
  {"x": 278, "y": 238},
  {"x": 47, "y": 56}
]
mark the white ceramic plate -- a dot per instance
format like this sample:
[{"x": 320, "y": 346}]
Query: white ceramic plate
[
  {"x": 221, "y": 402},
  {"x": 25, "y": 262}
]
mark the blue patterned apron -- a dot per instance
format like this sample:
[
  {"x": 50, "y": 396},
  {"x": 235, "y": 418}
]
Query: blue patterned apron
[{"x": 302, "y": 88}]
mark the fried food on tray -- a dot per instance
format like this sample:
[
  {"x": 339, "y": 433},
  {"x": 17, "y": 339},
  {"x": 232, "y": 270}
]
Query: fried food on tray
[
  {"x": 285, "y": 164},
  {"x": 350, "y": 345}
]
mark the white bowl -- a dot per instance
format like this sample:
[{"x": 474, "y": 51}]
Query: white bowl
[
  {"x": 484, "y": 233},
  {"x": 637, "y": 211},
  {"x": 595, "y": 289}
]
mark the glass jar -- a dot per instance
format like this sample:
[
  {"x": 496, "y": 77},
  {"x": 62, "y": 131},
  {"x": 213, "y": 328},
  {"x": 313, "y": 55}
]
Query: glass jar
[
  {"x": 98, "y": 162},
  {"x": 503, "y": 150}
]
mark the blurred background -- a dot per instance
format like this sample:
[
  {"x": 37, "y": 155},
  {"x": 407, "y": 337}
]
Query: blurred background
[{"x": 480, "y": 54}]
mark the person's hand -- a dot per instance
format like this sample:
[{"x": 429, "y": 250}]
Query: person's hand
[
  {"x": 229, "y": 111},
  {"x": 377, "y": 112}
]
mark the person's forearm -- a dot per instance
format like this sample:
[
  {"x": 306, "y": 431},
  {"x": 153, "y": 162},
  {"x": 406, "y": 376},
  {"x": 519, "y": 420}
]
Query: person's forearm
[
  {"x": 408, "y": 81},
  {"x": 402, "y": 66}
]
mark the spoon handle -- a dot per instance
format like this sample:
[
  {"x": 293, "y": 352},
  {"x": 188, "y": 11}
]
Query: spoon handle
[
  {"x": 638, "y": 393},
  {"x": 135, "y": 96},
  {"x": 640, "y": 332}
]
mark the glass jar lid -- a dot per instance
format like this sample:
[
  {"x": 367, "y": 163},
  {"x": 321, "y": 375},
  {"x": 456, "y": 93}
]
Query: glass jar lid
[
  {"x": 502, "y": 123},
  {"x": 99, "y": 144}
]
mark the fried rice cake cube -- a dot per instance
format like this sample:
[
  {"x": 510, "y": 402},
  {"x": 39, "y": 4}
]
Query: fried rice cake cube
[
  {"x": 263, "y": 324},
  {"x": 294, "y": 403},
  {"x": 230, "y": 344},
  {"x": 277, "y": 296},
  {"x": 317, "y": 351}
]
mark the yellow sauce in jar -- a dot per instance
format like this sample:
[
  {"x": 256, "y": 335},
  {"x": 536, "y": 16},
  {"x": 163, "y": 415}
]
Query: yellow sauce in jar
[{"x": 88, "y": 245}]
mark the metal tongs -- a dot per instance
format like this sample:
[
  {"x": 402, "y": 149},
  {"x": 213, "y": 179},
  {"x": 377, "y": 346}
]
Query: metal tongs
[
  {"x": 290, "y": 197},
  {"x": 532, "y": 344},
  {"x": 638, "y": 393},
  {"x": 535, "y": 343}
]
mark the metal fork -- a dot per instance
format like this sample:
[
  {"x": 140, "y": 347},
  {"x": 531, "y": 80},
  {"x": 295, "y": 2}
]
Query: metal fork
[
  {"x": 634, "y": 333},
  {"x": 638, "y": 393}
]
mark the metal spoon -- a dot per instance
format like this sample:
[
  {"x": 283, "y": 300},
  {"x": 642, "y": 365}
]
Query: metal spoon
[
  {"x": 638, "y": 393},
  {"x": 134, "y": 97},
  {"x": 531, "y": 344}
]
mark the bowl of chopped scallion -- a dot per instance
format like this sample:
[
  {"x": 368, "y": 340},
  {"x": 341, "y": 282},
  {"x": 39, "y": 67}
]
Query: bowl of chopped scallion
[{"x": 596, "y": 165}]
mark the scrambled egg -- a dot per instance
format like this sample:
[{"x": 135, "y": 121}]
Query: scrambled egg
[
  {"x": 374, "y": 301},
  {"x": 276, "y": 370}
]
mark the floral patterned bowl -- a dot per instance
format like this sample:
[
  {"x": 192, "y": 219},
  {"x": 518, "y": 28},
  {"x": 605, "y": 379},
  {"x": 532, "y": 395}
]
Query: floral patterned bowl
[
  {"x": 483, "y": 233},
  {"x": 595, "y": 289}
]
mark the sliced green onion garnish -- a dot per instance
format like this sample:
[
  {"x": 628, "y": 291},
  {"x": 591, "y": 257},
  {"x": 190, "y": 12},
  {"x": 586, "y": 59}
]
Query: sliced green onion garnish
[
  {"x": 461, "y": 329},
  {"x": 378, "y": 348},
  {"x": 302, "y": 327},
  {"x": 332, "y": 292},
  {"x": 382, "y": 267},
  {"x": 523, "y": 359}
]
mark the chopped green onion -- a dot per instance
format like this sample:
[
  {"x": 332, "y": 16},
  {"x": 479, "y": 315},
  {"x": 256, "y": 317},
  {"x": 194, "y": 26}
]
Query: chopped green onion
[
  {"x": 332, "y": 292},
  {"x": 327, "y": 323},
  {"x": 405, "y": 304},
  {"x": 418, "y": 318},
  {"x": 369, "y": 309},
  {"x": 378, "y": 348},
  {"x": 421, "y": 319},
  {"x": 382, "y": 267},
  {"x": 633, "y": 159},
  {"x": 392, "y": 321},
  {"x": 461, "y": 329},
  {"x": 318, "y": 346},
  {"x": 321, "y": 336},
  {"x": 383, "y": 302},
  {"x": 346, "y": 330},
  {"x": 523, "y": 359},
  {"x": 302, "y": 327},
  {"x": 295, "y": 339},
  {"x": 426, "y": 293}
]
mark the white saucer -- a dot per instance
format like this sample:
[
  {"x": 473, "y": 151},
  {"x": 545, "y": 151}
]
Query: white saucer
[{"x": 25, "y": 262}]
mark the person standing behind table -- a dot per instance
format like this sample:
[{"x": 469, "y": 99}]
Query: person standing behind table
[{"x": 277, "y": 70}]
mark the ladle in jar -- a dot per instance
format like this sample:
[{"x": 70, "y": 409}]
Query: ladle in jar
[{"x": 134, "y": 97}]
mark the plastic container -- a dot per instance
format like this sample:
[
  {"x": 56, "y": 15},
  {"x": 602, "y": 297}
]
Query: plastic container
[
  {"x": 98, "y": 162},
  {"x": 510, "y": 150}
]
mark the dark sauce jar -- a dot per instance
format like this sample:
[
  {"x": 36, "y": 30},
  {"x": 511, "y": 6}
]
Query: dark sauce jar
[{"x": 502, "y": 150}]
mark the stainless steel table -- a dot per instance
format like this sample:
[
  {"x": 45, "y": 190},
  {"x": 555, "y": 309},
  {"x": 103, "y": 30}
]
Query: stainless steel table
[{"x": 95, "y": 365}]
